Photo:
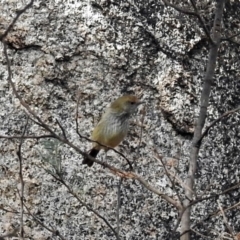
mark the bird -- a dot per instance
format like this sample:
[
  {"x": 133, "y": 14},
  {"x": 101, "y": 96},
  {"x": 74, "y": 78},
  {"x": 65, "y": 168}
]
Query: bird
[{"x": 113, "y": 125}]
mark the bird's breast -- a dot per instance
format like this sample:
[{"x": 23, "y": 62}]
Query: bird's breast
[{"x": 111, "y": 131}]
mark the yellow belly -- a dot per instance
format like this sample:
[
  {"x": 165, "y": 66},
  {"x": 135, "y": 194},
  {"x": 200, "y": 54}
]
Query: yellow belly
[{"x": 110, "y": 138}]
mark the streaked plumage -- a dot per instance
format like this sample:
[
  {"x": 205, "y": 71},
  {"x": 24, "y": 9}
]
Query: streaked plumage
[{"x": 113, "y": 126}]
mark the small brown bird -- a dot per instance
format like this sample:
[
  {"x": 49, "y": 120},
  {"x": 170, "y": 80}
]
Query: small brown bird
[{"x": 113, "y": 126}]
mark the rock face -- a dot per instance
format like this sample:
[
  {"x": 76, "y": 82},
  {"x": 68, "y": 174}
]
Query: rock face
[{"x": 69, "y": 61}]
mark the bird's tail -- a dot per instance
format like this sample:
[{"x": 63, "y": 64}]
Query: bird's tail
[{"x": 94, "y": 152}]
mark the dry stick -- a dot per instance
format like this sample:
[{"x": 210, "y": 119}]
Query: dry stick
[
  {"x": 61, "y": 180},
  {"x": 141, "y": 132},
  {"x": 127, "y": 175},
  {"x": 19, "y": 154},
  {"x": 229, "y": 38},
  {"x": 233, "y": 41},
  {"x": 200, "y": 234},
  {"x": 213, "y": 213},
  {"x": 225, "y": 219},
  {"x": 53, "y": 231},
  {"x": 226, "y": 114},
  {"x": 62, "y": 129},
  {"x": 19, "y": 13},
  {"x": 119, "y": 205},
  {"x": 168, "y": 175},
  {"x": 185, "y": 223},
  {"x": 27, "y": 136},
  {"x": 201, "y": 21},
  {"x": 195, "y": 13}
]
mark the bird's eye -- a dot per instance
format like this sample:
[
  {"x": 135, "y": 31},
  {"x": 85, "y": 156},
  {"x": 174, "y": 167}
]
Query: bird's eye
[{"x": 132, "y": 103}]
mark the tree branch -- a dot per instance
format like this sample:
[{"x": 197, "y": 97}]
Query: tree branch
[
  {"x": 226, "y": 114},
  {"x": 201, "y": 21},
  {"x": 19, "y": 13},
  {"x": 27, "y": 136},
  {"x": 230, "y": 38},
  {"x": 53, "y": 231},
  {"x": 225, "y": 220},
  {"x": 179, "y": 9},
  {"x": 61, "y": 180},
  {"x": 194, "y": 13},
  {"x": 204, "y": 102},
  {"x": 21, "y": 193}
]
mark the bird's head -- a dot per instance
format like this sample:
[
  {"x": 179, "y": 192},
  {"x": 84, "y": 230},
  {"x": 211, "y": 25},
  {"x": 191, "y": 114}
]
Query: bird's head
[{"x": 126, "y": 104}]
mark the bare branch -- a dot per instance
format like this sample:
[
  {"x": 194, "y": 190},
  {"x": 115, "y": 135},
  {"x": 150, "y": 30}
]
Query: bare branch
[
  {"x": 154, "y": 190},
  {"x": 201, "y": 21},
  {"x": 19, "y": 13},
  {"x": 27, "y": 136},
  {"x": 118, "y": 205},
  {"x": 200, "y": 234},
  {"x": 53, "y": 231},
  {"x": 179, "y": 9},
  {"x": 226, "y": 114},
  {"x": 62, "y": 129},
  {"x": 235, "y": 42},
  {"x": 21, "y": 193},
  {"x": 158, "y": 156},
  {"x": 230, "y": 38},
  {"x": 225, "y": 220},
  {"x": 61, "y": 180},
  {"x": 143, "y": 113},
  {"x": 194, "y": 13},
  {"x": 204, "y": 102},
  {"x": 22, "y": 102}
]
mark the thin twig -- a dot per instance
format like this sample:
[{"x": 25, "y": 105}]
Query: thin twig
[
  {"x": 53, "y": 231},
  {"x": 19, "y": 13},
  {"x": 159, "y": 157},
  {"x": 215, "y": 213},
  {"x": 200, "y": 234},
  {"x": 118, "y": 206},
  {"x": 61, "y": 180},
  {"x": 179, "y": 9},
  {"x": 201, "y": 21},
  {"x": 27, "y": 136},
  {"x": 46, "y": 127},
  {"x": 229, "y": 38},
  {"x": 175, "y": 177},
  {"x": 191, "y": 13},
  {"x": 63, "y": 130},
  {"x": 204, "y": 102},
  {"x": 19, "y": 154},
  {"x": 22, "y": 102},
  {"x": 225, "y": 219},
  {"x": 226, "y": 114},
  {"x": 141, "y": 132}
]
